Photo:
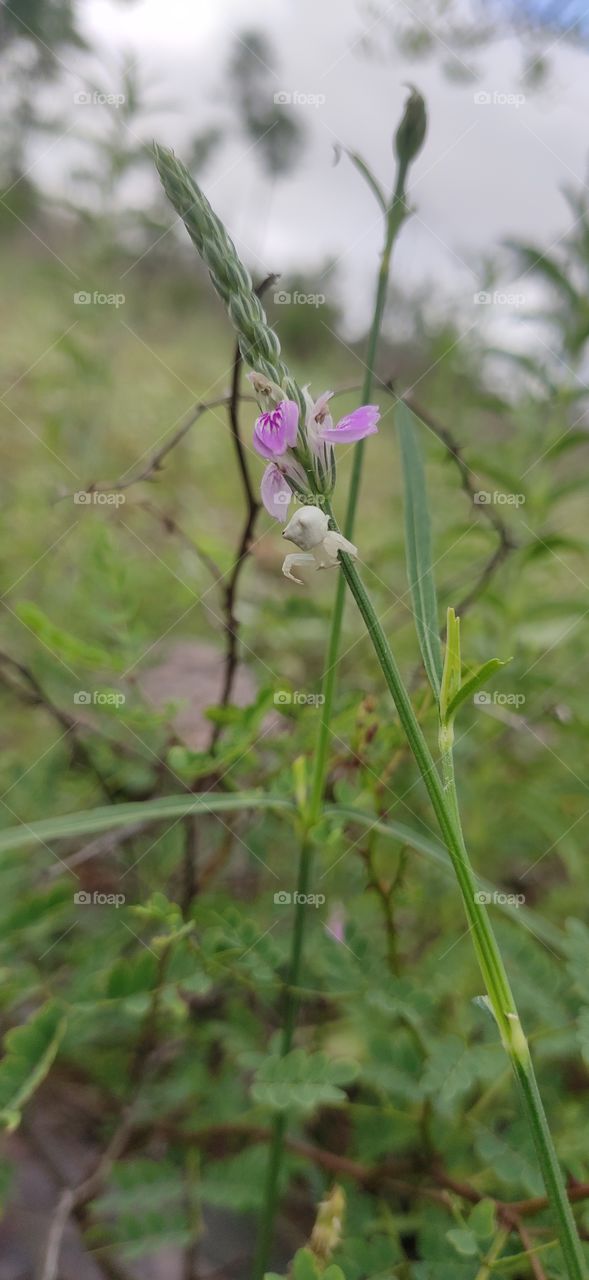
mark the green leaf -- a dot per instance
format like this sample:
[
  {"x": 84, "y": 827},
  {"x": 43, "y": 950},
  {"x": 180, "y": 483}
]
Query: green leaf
[
  {"x": 120, "y": 815},
  {"x": 236, "y": 1183},
  {"x": 511, "y": 1155},
  {"x": 30, "y": 1051},
  {"x": 301, "y": 1081},
  {"x": 454, "y": 1068},
  {"x": 365, "y": 172},
  {"x": 132, "y": 976},
  {"x": 69, "y": 648},
  {"x": 138, "y": 1186},
  {"x": 463, "y": 1241},
  {"x": 474, "y": 683},
  {"x": 304, "y": 1266},
  {"x": 481, "y": 1220},
  {"x": 452, "y": 674},
  {"x": 418, "y": 549}
]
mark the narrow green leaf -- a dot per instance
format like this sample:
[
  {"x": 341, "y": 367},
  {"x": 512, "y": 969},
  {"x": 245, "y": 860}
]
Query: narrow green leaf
[
  {"x": 474, "y": 683},
  {"x": 366, "y": 173},
  {"x": 419, "y": 548},
  {"x": 452, "y": 674},
  {"x": 121, "y": 815}
]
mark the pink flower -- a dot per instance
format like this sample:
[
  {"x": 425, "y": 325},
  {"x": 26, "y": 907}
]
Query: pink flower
[
  {"x": 354, "y": 426},
  {"x": 275, "y": 492},
  {"x": 318, "y": 419},
  {"x": 276, "y": 431}
]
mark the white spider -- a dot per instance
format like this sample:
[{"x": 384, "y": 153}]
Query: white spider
[{"x": 309, "y": 530}]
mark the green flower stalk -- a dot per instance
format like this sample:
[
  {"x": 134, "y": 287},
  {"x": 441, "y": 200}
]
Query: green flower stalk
[{"x": 261, "y": 350}]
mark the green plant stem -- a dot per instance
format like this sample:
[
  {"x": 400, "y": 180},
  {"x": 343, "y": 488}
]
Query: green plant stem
[
  {"x": 445, "y": 804},
  {"x": 276, "y": 1152},
  {"x": 494, "y": 1253},
  {"x": 394, "y": 220}
]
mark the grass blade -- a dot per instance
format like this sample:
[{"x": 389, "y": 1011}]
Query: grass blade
[{"x": 419, "y": 549}]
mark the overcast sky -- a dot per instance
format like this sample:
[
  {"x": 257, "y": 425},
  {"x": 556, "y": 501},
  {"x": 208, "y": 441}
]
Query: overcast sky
[{"x": 488, "y": 170}]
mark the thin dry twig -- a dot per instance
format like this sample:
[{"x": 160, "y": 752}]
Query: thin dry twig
[
  {"x": 73, "y": 1199},
  {"x": 154, "y": 462}
]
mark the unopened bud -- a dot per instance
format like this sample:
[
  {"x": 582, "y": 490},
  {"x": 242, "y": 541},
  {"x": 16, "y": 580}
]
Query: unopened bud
[
  {"x": 327, "y": 1232},
  {"x": 268, "y": 393},
  {"x": 411, "y": 132}
]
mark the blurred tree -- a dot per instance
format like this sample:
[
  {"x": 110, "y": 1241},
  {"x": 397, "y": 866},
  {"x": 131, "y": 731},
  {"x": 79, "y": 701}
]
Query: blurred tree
[
  {"x": 260, "y": 109},
  {"x": 43, "y": 26},
  {"x": 566, "y": 278},
  {"x": 31, "y": 34},
  {"x": 458, "y": 32}
]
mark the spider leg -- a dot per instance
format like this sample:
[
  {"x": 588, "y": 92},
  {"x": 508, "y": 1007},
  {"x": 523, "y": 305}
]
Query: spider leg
[{"x": 296, "y": 558}]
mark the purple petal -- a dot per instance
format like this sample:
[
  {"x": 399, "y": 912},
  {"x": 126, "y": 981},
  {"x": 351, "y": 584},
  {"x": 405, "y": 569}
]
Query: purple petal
[
  {"x": 354, "y": 426},
  {"x": 275, "y": 493},
  {"x": 290, "y": 416},
  {"x": 276, "y": 431}
]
